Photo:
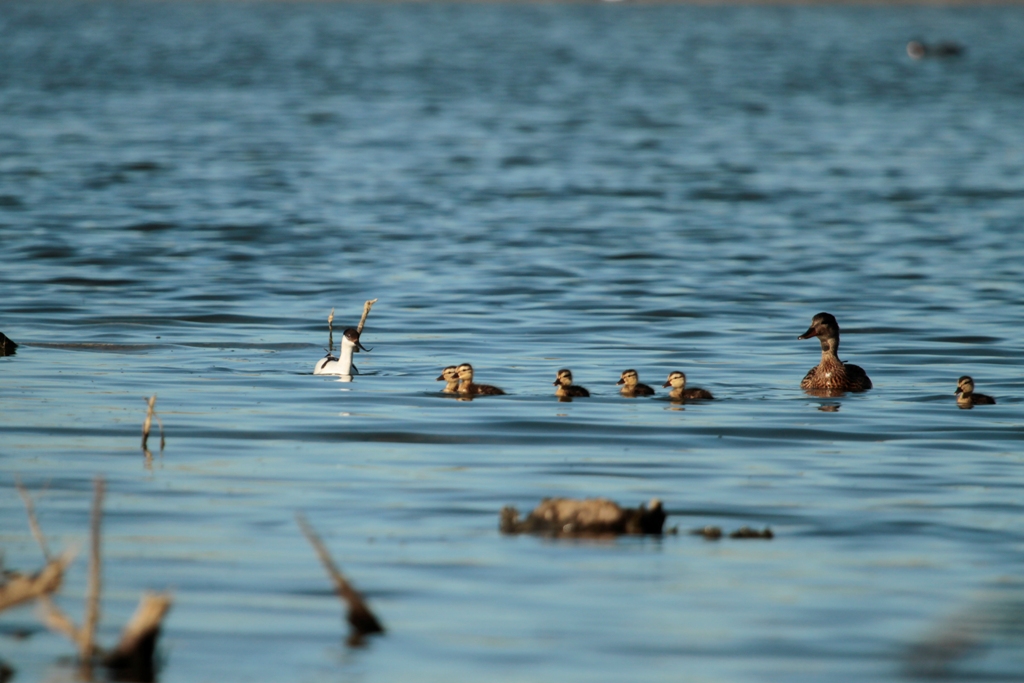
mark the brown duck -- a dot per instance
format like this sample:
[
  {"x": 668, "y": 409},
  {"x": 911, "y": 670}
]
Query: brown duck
[
  {"x": 469, "y": 388},
  {"x": 566, "y": 389},
  {"x": 631, "y": 386},
  {"x": 965, "y": 396},
  {"x": 677, "y": 380},
  {"x": 831, "y": 374}
]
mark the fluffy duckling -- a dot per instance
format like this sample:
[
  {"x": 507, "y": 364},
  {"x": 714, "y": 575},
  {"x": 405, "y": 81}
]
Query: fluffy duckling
[
  {"x": 831, "y": 374},
  {"x": 343, "y": 365},
  {"x": 566, "y": 389},
  {"x": 7, "y": 345},
  {"x": 677, "y": 380},
  {"x": 965, "y": 396},
  {"x": 451, "y": 375},
  {"x": 468, "y": 387},
  {"x": 631, "y": 386}
]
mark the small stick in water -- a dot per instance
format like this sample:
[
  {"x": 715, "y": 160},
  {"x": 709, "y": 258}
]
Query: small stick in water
[
  {"x": 33, "y": 523},
  {"x": 86, "y": 645},
  {"x": 366, "y": 311},
  {"x": 330, "y": 332},
  {"x": 360, "y": 617},
  {"x": 148, "y": 422}
]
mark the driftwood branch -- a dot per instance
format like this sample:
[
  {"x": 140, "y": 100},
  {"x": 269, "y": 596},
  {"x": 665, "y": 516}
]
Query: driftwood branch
[
  {"x": 360, "y": 617},
  {"x": 366, "y": 311},
  {"x": 86, "y": 643},
  {"x": 21, "y": 588},
  {"x": 33, "y": 522}
]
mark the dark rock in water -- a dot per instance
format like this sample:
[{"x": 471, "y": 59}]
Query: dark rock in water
[
  {"x": 7, "y": 345},
  {"x": 711, "y": 533},
  {"x": 747, "y": 532},
  {"x": 589, "y": 517}
]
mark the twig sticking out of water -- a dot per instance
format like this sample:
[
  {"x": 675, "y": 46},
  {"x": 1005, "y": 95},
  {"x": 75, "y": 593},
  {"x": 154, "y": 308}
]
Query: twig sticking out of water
[
  {"x": 132, "y": 659},
  {"x": 86, "y": 645},
  {"x": 330, "y": 332},
  {"x": 366, "y": 311},
  {"x": 18, "y": 588},
  {"x": 148, "y": 422},
  {"x": 360, "y": 617},
  {"x": 33, "y": 523}
]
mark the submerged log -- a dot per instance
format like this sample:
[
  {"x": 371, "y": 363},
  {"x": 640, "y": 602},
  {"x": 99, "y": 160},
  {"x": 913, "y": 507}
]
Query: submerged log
[
  {"x": 133, "y": 658},
  {"x": 589, "y": 517}
]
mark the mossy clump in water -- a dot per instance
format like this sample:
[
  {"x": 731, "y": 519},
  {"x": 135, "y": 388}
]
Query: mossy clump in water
[{"x": 589, "y": 517}]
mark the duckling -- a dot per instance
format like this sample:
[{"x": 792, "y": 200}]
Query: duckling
[
  {"x": 566, "y": 389},
  {"x": 341, "y": 366},
  {"x": 631, "y": 385},
  {"x": 468, "y": 387},
  {"x": 450, "y": 374},
  {"x": 965, "y": 396},
  {"x": 831, "y": 374},
  {"x": 7, "y": 345},
  {"x": 677, "y": 380}
]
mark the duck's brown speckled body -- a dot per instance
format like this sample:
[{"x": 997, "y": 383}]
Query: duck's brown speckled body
[
  {"x": 631, "y": 386},
  {"x": 831, "y": 375},
  {"x": 450, "y": 375},
  {"x": 965, "y": 396},
  {"x": 677, "y": 380},
  {"x": 566, "y": 389},
  {"x": 469, "y": 388}
]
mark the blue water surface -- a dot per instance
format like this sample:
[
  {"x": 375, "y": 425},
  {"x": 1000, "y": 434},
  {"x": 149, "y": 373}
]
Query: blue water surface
[{"x": 188, "y": 188}]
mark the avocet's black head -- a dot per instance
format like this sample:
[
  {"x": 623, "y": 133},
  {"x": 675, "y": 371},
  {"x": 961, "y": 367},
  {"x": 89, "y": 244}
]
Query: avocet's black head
[
  {"x": 7, "y": 345},
  {"x": 352, "y": 335}
]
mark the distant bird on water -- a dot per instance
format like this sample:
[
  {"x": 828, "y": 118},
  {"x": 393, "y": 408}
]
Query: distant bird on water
[
  {"x": 7, "y": 345},
  {"x": 467, "y": 387},
  {"x": 677, "y": 380},
  {"x": 343, "y": 364},
  {"x": 965, "y": 396},
  {"x": 631, "y": 386},
  {"x": 917, "y": 49},
  {"x": 566, "y": 389},
  {"x": 831, "y": 374}
]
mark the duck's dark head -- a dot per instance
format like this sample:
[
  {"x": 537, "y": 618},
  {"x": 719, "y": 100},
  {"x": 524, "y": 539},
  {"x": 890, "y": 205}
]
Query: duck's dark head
[
  {"x": 449, "y": 374},
  {"x": 564, "y": 378},
  {"x": 823, "y": 325},
  {"x": 465, "y": 372},
  {"x": 628, "y": 377}
]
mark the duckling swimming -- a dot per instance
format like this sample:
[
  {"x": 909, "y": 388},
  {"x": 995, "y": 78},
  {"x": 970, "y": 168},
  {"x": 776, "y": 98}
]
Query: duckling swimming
[
  {"x": 831, "y": 374},
  {"x": 677, "y": 380},
  {"x": 343, "y": 365},
  {"x": 631, "y": 386},
  {"x": 566, "y": 389},
  {"x": 965, "y": 396},
  {"x": 451, "y": 375},
  {"x": 7, "y": 345},
  {"x": 468, "y": 388}
]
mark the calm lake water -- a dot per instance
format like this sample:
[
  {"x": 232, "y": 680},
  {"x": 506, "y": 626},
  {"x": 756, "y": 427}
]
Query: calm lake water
[{"x": 186, "y": 190}]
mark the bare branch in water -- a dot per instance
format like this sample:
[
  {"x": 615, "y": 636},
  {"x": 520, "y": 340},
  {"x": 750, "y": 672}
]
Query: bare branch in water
[
  {"x": 132, "y": 659},
  {"x": 86, "y": 643},
  {"x": 148, "y": 423},
  {"x": 360, "y": 617},
  {"x": 366, "y": 311},
  {"x": 33, "y": 523},
  {"x": 19, "y": 588}
]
